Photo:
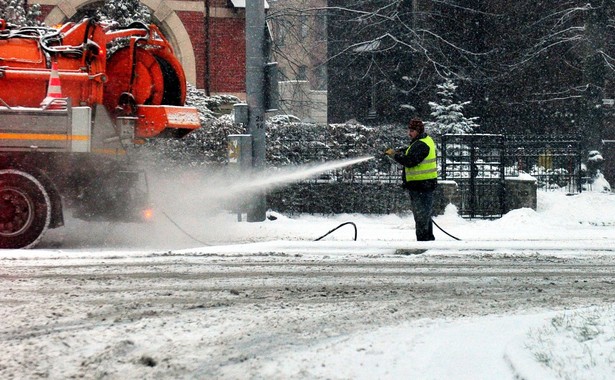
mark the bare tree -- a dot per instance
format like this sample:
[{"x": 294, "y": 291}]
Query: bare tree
[
  {"x": 527, "y": 66},
  {"x": 401, "y": 50},
  {"x": 559, "y": 62},
  {"x": 299, "y": 31}
]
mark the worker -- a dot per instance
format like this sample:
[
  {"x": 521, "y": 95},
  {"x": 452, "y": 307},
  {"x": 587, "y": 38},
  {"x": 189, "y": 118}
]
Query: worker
[{"x": 419, "y": 176}]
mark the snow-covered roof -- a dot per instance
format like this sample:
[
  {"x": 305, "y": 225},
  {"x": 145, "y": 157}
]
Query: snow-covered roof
[{"x": 242, "y": 4}]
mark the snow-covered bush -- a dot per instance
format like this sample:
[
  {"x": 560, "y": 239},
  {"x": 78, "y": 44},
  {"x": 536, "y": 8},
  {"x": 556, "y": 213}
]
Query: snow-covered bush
[
  {"x": 550, "y": 179},
  {"x": 16, "y": 12},
  {"x": 304, "y": 143},
  {"x": 124, "y": 12},
  {"x": 591, "y": 171}
]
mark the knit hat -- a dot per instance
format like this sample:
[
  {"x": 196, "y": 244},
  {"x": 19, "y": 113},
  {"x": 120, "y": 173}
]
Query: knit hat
[{"x": 417, "y": 124}]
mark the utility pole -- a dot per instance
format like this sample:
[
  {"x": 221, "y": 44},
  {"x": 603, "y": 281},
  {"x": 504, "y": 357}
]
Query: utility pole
[
  {"x": 207, "y": 26},
  {"x": 255, "y": 84},
  {"x": 595, "y": 72}
]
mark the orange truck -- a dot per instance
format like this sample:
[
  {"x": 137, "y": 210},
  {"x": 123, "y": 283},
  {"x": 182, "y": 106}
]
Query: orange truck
[{"x": 73, "y": 100}]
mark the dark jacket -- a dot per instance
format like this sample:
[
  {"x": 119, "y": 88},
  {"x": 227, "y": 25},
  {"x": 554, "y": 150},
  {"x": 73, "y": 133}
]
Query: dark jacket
[{"x": 418, "y": 151}]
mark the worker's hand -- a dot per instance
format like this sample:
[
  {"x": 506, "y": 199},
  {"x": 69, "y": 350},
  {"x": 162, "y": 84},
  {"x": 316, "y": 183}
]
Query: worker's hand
[{"x": 390, "y": 152}]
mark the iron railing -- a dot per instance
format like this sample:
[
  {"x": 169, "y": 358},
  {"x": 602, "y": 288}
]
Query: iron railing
[
  {"x": 478, "y": 163},
  {"x": 555, "y": 161}
]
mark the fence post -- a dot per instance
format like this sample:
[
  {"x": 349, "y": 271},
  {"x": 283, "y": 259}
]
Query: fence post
[
  {"x": 503, "y": 191},
  {"x": 574, "y": 164},
  {"x": 520, "y": 155},
  {"x": 473, "y": 174},
  {"x": 443, "y": 156}
]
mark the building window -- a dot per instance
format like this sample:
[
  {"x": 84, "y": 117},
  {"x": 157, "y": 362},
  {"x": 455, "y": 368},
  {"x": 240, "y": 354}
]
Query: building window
[
  {"x": 280, "y": 30},
  {"x": 282, "y": 74},
  {"x": 320, "y": 77},
  {"x": 302, "y": 72},
  {"x": 303, "y": 27},
  {"x": 320, "y": 26}
]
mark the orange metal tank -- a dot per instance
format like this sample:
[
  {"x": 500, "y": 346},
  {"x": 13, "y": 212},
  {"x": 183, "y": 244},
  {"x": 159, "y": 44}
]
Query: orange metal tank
[
  {"x": 143, "y": 71},
  {"x": 25, "y": 64}
]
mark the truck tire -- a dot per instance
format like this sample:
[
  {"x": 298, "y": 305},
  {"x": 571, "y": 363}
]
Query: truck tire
[{"x": 25, "y": 209}]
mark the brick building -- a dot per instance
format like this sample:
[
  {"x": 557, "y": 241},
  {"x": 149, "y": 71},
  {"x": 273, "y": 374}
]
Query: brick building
[
  {"x": 299, "y": 31},
  {"x": 194, "y": 28}
]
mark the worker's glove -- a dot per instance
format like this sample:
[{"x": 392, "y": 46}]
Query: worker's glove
[{"x": 390, "y": 152}]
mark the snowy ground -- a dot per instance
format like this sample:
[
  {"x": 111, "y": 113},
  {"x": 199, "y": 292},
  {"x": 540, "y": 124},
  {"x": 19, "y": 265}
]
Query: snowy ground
[{"x": 526, "y": 296}]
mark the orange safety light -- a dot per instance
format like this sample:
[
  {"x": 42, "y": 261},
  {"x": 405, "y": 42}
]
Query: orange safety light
[{"x": 147, "y": 214}]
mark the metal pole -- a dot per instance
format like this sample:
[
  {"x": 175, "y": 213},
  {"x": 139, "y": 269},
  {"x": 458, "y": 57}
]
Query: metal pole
[
  {"x": 207, "y": 26},
  {"x": 255, "y": 84}
]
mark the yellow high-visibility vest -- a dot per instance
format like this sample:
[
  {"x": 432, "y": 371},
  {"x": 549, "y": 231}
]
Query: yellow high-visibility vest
[{"x": 428, "y": 168}]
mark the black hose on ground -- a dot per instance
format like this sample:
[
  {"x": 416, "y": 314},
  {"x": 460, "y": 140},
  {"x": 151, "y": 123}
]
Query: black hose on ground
[
  {"x": 323, "y": 236},
  {"x": 341, "y": 225},
  {"x": 182, "y": 230},
  {"x": 355, "y": 230},
  {"x": 440, "y": 228}
]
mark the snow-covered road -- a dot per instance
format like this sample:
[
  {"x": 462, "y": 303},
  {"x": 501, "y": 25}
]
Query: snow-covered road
[
  {"x": 195, "y": 314},
  {"x": 266, "y": 301}
]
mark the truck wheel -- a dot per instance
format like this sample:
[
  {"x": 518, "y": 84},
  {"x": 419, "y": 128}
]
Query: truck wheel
[{"x": 25, "y": 209}]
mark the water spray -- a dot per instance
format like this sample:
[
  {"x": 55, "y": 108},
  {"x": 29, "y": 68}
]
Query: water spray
[
  {"x": 294, "y": 174},
  {"x": 257, "y": 182}
]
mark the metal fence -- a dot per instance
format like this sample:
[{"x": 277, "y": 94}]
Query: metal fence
[
  {"x": 478, "y": 163},
  {"x": 554, "y": 160}
]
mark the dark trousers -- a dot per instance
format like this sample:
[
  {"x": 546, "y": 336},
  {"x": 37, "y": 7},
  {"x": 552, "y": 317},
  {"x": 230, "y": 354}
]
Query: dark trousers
[{"x": 422, "y": 206}]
